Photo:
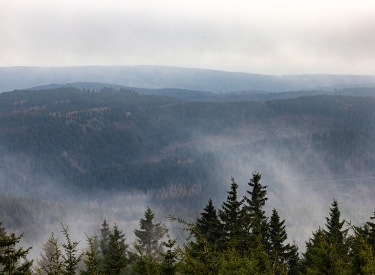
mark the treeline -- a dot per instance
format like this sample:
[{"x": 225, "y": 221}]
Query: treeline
[
  {"x": 237, "y": 238},
  {"x": 196, "y": 95}
]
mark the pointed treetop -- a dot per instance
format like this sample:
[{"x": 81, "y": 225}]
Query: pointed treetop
[
  {"x": 279, "y": 252},
  {"x": 209, "y": 224},
  {"x": 233, "y": 218},
  {"x": 150, "y": 234},
  {"x": 334, "y": 224},
  {"x": 258, "y": 193},
  {"x": 256, "y": 202}
]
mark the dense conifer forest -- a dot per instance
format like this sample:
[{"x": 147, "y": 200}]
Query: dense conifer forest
[
  {"x": 113, "y": 163},
  {"x": 236, "y": 238}
]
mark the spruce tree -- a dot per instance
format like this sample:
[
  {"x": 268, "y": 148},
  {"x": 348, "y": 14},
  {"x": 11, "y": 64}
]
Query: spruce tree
[
  {"x": 233, "y": 217},
  {"x": 197, "y": 257},
  {"x": 168, "y": 265},
  {"x": 321, "y": 257},
  {"x": 258, "y": 220},
  {"x": 116, "y": 260},
  {"x": 71, "y": 259},
  {"x": 209, "y": 225},
  {"x": 278, "y": 252},
  {"x": 294, "y": 261},
  {"x": 51, "y": 261},
  {"x": 149, "y": 235},
  {"x": 335, "y": 233},
  {"x": 13, "y": 261},
  {"x": 104, "y": 238}
]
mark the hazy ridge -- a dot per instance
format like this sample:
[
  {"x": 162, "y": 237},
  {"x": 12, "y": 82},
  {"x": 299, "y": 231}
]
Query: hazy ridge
[{"x": 156, "y": 77}]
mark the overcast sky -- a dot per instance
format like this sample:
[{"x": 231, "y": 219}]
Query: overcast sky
[{"x": 268, "y": 37}]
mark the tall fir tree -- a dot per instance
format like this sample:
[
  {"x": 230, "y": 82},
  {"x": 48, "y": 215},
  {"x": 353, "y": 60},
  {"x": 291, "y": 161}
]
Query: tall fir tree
[
  {"x": 209, "y": 225},
  {"x": 335, "y": 225},
  {"x": 71, "y": 259},
  {"x": 335, "y": 233},
  {"x": 294, "y": 261},
  {"x": 116, "y": 260},
  {"x": 233, "y": 218},
  {"x": 198, "y": 256},
  {"x": 279, "y": 253},
  {"x": 13, "y": 260},
  {"x": 149, "y": 235},
  {"x": 258, "y": 220}
]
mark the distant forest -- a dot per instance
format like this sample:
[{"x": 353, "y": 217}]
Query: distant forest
[{"x": 121, "y": 140}]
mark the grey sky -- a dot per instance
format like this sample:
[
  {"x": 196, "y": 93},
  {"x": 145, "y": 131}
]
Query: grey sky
[{"x": 270, "y": 37}]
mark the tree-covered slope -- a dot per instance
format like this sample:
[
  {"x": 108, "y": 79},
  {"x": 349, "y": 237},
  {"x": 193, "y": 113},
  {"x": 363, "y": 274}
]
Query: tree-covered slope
[{"x": 86, "y": 143}]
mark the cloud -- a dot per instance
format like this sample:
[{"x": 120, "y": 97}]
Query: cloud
[{"x": 258, "y": 36}]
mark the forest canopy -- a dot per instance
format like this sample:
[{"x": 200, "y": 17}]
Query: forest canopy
[{"x": 237, "y": 238}]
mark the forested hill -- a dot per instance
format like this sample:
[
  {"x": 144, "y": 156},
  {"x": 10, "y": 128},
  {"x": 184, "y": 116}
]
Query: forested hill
[{"x": 120, "y": 140}]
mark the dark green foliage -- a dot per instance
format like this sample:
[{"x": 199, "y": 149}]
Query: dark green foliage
[
  {"x": 233, "y": 262},
  {"x": 170, "y": 257},
  {"x": 362, "y": 258},
  {"x": 321, "y": 257},
  {"x": 328, "y": 250},
  {"x": 335, "y": 233},
  {"x": 146, "y": 264},
  {"x": 198, "y": 256},
  {"x": 12, "y": 260},
  {"x": 293, "y": 261},
  {"x": 278, "y": 252},
  {"x": 149, "y": 235},
  {"x": 232, "y": 215},
  {"x": 209, "y": 225},
  {"x": 71, "y": 259},
  {"x": 259, "y": 254},
  {"x": 256, "y": 202},
  {"x": 116, "y": 259}
]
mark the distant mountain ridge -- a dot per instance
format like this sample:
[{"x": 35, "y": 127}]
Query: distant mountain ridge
[
  {"x": 156, "y": 77},
  {"x": 193, "y": 95}
]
